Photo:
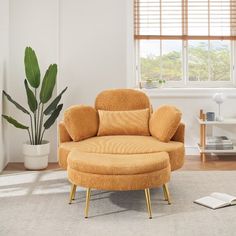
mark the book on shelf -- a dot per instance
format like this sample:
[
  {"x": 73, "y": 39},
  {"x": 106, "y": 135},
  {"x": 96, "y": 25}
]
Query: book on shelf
[
  {"x": 216, "y": 200},
  {"x": 218, "y": 143},
  {"x": 218, "y": 139},
  {"x": 218, "y": 148}
]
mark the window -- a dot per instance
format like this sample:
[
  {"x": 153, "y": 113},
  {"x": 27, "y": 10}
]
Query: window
[{"x": 186, "y": 42}]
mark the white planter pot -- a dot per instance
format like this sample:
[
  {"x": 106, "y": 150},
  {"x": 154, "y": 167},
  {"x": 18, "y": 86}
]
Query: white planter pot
[{"x": 36, "y": 156}]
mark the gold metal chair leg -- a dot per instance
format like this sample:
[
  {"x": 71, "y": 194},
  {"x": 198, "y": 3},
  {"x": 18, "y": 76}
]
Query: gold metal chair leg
[
  {"x": 72, "y": 193},
  {"x": 166, "y": 193},
  {"x": 87, "y": 202},
  {"x": 148, "y": 201}
]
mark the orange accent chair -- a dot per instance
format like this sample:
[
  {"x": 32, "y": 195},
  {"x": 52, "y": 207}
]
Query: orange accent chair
[{"x": 121, "y": 144}]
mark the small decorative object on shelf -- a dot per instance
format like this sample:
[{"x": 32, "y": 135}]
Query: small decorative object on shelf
[
  {"x": 219, "y": 98},
  {"x": 217, "y": 144},
  {"x": 210, "y": 116}
]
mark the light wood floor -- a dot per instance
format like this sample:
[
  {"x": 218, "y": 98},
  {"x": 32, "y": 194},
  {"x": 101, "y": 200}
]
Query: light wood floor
[
  {"x": 212, "y": 163},
  {"x": 19, "y": 166},
  {"x": 191, "y": 163}
]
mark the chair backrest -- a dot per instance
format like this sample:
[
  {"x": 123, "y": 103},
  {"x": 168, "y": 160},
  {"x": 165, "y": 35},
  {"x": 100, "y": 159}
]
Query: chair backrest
[{"x": 122, "y": 100}]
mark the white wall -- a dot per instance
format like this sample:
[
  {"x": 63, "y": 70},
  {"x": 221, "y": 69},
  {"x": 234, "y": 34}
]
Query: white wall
[
  {"x": 92, "y": 48},
  {"x": 92, "y": 41},
  {"x": 4, "y": 43}
]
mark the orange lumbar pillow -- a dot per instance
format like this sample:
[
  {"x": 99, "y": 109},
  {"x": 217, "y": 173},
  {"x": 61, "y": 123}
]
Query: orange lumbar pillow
[
  {"x": 164, "y": 122},
  {"x": 81, "y": 122},
  {"x": 134, "y": 122}
]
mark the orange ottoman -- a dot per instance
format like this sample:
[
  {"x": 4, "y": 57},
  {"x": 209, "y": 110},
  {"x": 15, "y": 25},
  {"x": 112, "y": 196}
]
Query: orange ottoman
[{"x": 118, "y": 172}]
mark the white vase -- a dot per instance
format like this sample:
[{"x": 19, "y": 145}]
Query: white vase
[{"x": 36, "y": 156}]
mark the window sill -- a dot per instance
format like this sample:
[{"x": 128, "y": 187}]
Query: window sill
[{"x": 189, "y": 92}]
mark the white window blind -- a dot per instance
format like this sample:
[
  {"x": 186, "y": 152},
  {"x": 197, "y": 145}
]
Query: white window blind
[{"x": 185, "y": 19}]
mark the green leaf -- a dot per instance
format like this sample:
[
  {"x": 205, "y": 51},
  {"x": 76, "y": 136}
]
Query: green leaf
[
  {"x": 32, "y": 70},
  {"x": 32, "y": 102},
  {"x": 54, "y": 104},
  {"x": 15, "y": 122},
  {"x": 15, "y": 103},
  {"x": 49, "y": 122},
  {"x": 48, "y": 84}
]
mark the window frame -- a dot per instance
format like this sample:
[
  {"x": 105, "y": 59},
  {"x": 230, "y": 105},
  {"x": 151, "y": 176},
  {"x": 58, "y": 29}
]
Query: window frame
[{"x": 185, "y": 82}]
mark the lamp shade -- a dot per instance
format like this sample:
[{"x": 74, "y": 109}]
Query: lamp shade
[{"x": 219, "y": 98}]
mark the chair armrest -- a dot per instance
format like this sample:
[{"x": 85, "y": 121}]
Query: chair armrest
[
  {"x": 179, "y": 134},
  {"x": 63, "y": 134}
]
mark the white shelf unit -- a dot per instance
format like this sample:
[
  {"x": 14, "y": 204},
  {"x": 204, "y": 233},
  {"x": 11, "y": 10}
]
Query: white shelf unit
[
  {"x": 203, "y": 150},
  {"x": 203, "y": 125},
  {"x": 227, "y": 121}
]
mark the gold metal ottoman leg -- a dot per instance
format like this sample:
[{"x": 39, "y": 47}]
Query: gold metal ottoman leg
[
  {"x": 72, "y": 193},
  {"x": 148, "y": 201},
  {"x": 87, "y": 202},
  {"x": 166, "y": 193}
]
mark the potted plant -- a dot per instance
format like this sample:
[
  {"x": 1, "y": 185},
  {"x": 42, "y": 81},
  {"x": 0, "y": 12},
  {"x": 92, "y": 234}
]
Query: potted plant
[
  {"x": 154, "y": 83},
  {"x": 149, "y": 83},
  {"x": 36, "y": 149},
  {"x": 161, "y": 82}
]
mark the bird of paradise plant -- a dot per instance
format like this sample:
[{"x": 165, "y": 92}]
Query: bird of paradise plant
[{"x": 37, "y": 101}]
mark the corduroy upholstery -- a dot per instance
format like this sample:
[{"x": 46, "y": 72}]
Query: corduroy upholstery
[
  {"x": 119, "y": 100},
  {"x": 81, "y": 122},
  {"x": 164, "y": 122},
  {"x": 109, "y": 147},
  {"x": 119, "y": 164},
  {"x": 63, "y": 133},
  {"x": 118, "y": 172},
  {"x": 179, "y": 134},
  {"x": 134, "y": 122},
  {"x": 125, "y": 144},
  {"x": 65, "y": 137}
]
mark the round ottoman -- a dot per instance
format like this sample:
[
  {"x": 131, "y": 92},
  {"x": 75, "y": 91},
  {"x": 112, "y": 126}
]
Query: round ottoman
[{"x": 118, "y": 172}]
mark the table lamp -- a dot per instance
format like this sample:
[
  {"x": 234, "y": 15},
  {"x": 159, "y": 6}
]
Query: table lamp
[{"x": 219, "y": 98}]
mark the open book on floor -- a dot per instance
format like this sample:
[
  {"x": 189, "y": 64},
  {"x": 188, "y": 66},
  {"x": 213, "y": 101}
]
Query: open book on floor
[{"x": 217, "y": 200}]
